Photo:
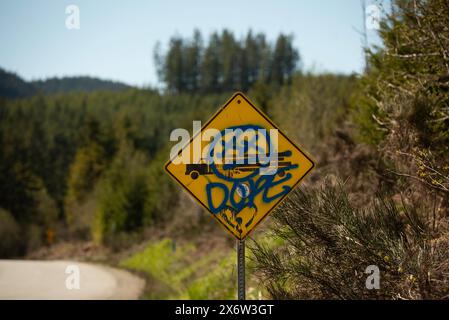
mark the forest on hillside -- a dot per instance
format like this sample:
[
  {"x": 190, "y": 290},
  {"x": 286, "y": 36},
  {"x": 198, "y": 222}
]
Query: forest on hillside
[
  {"x": 13, "y": 86},
  {"x": 87, "y": 166}
]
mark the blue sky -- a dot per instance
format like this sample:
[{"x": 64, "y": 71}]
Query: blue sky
[{"x": 116, "y": 38}]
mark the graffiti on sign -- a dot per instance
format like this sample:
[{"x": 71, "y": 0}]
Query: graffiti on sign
[{"x": 239, "y": 166}]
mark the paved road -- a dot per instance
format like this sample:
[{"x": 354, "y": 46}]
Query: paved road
[{"x": 25, "y": 279}]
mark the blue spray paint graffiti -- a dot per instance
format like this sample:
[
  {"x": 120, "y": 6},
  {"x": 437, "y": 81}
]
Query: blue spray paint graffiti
[{"x": 236, "y": 193}]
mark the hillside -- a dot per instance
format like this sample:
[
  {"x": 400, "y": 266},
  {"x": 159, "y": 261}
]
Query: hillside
[
  {"x": 77, "y": 84},
  {"x": 13, "y": 86}
]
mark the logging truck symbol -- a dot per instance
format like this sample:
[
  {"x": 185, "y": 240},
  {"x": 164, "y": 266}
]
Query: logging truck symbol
[{"x": 200, "y": 169}]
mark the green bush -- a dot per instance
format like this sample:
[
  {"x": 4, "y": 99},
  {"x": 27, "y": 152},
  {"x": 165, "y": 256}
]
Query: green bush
[
  {"x": 402, "y": 104},
  {"x": 162, "y": 190},
  {"x": 122, "y": 192},
  {"x": 182, "y": 271},
  {"x": 329, "y": 244},
  {"x": 10, "y": 236},
  {"x": 218, "y": 282},
  {"x": 34, "y": 235}
]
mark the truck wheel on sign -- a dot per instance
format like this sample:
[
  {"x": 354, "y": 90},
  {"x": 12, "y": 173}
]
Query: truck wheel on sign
[{"x": 194, "y": 175}]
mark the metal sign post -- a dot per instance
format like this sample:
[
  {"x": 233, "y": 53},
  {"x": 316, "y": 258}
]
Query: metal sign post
[{"x": 241, "y": 269}]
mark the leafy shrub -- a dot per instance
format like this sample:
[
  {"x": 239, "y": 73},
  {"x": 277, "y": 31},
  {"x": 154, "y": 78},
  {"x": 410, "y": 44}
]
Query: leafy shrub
[
  {"x": 403, "y": 102},
  {"x": 10, "y": 237},
  {"x": 162, "y": 190},
  {"x": 218, "y": 282},
  {"x": 183, "y": 271},
  {"x": 123, "y": 192},
  {"x": 34, "y": 235},
  {"x": 329, "y": 244}
]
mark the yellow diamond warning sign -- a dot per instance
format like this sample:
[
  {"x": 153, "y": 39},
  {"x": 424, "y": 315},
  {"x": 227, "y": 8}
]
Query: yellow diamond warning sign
[{"x": 239, "y": 166}]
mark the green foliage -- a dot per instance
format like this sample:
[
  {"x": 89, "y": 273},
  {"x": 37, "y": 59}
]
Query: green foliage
[
  {"x": 46, "y": 209},
  {"x": 217, "y": 283},
  {"x": 12, "y": 86},
  {"x": 400, "y": 106},
  {"x": 96, "y": 148},
  {"x": 312, "y": 107},
  {"x": 225, "y": 64},
  {"x": 77, "y": 84},
  {"x": 183, "y": 271},
  {"x": 123, "y": 192},
  {"x": 70, "y": 151},
  {"x": 366, "y": 115},
  {"x": 98, "y": 158},
  {"x": 162, "y": 260},
  {"x": 162, "y": 191},
  {"x": 85, "y": 170},
  {"x": 284, "y": 60},
  {"x": 403, "y": 103},
  {"x": 329, "y": 244},
  {"x": 80, "y": 201},
  {"x": 10, "y": 235}
]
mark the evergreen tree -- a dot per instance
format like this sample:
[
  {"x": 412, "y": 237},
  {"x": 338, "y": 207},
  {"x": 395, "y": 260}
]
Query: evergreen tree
[
  {"x": 211, "y": 65},
  {"x": 285, "y": 59},
  {"x": 174, "y": 66},
  {"x": 193, "y": 56},
  {"x": 230, "y": 60}
]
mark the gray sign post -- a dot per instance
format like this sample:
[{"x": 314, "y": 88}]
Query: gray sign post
[{"x": 241, "y": 269}]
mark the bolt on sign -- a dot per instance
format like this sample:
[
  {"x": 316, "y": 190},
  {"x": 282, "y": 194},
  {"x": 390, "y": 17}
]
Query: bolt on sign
[{"x": 239, "y": 166}]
